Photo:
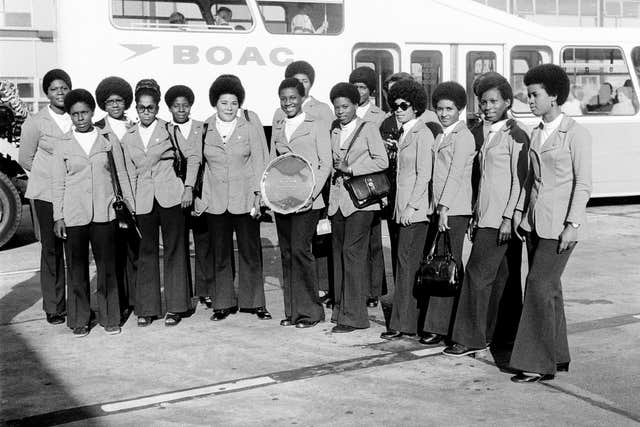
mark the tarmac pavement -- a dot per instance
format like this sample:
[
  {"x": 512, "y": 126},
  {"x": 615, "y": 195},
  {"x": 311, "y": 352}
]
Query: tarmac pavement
[{"x": 244, "y": 371}]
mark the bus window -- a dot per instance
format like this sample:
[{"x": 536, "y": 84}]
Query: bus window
[
  {"x": 302, "y": 16},
  {"x": 477, "y": 63},
  {"x": 600, "y": 82},
  {"x": 635, "y": 57},
  {"x": 522, "y": 59},
  {"x": 382, "y": 61},
  {"x": 426, "y": 69},
  {"x": 184, "y": 15}
]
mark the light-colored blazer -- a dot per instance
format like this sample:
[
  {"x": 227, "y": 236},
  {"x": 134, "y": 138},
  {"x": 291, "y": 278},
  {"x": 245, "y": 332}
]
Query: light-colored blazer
[
  {"x": 154, "y": 177},
  {"x": 105, "y": 129},
  {"x": 321, "y": 111},
  {"x": 374, "y": 115},
  {"x": 415, "y": 162},
  {"x": 311, "y": 141},
  {"x": 559, "y": 180},
  {"x": 504, "y": 162},
  {"x": 452, "y": 164},
  {"x": 255, "y": 121},
  {"x": 191, "y": 147},
  {"x": 232, "y": 170},
  {"x": 39, "y": 136},
  {"x": 81, "y": 186},
  {"x": 366, "y": 155}
]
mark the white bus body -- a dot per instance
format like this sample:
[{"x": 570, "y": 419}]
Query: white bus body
[{"x": 433, "y": 40}]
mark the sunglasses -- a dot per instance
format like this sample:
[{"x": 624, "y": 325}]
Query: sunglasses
[
  {"x": 147, "y": 108},
  {"x": 404, "y": 106}
]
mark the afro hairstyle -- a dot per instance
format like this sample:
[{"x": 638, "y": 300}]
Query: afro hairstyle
[
  {"x": 491, "y": 80},
  {"x": 364, "y": 75},
  {"x": 55, "y": 74},
  {"x": 114, "y": 86},
  {"x": 412, "y": 92},
  {"x": 148, "y": 87},
  {"x": 226, "y": 84},
  {"x": 451, "y": 91},
  {"x": 79, "y": 95},
  {"x": 345, "y": 90},
  {"x": 300, "y": 67},
  {"x": 177, "y": 91},
  {"x": 396, "y": 77},
  {"x": 292, "y": 83},
  {"x": 553, "y": 78}
]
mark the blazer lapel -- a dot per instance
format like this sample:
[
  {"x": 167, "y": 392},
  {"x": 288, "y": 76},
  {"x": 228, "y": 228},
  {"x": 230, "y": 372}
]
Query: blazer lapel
[
  {"x": 303, "y": 129},
  {"x": 556, "y": 139},
  {"x": 155, "y": 135}
]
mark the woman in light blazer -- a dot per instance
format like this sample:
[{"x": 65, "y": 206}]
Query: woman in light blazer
[
  {"x": 307, "y": 136},
  {"x": 160, "y": 196},
  {"x": 358, "y": 149},
  {"x": 234, "y": 157},
  {"x": 40, "y": 134},
  {"x": 115, "y": 95},
  {"x": 503, "y": 164},
  {"x": 553, "y": 210},
  {"x": 408, "y": 100},
  {"x": 82, "y": 194},
  {"x": 453, "y": 154},
  {"x": 188, "y": 138}
]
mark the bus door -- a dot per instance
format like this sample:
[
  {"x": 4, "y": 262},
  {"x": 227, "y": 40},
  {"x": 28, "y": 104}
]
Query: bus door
[
  {"x": 384, "y": 59},
  {"x": 473, "y": 60},
  {"x": 427, "y": 65}
]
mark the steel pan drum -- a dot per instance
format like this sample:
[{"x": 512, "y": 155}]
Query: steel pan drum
[{"x": 287, "y": 183}]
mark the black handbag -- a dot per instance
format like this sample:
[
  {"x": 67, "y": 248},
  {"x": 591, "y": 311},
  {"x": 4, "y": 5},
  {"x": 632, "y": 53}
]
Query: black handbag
[
  {"x": 179, "y": 160},
  {"x": 438, "y": 274},
  {"x": 369, "y": 189},
  {"x": 124, "y": 214},
  {"x": 197, "y": 186}
]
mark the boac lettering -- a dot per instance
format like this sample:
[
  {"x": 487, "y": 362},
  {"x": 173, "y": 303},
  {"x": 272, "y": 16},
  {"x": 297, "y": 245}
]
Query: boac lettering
[{"x": 222, "y": 55}]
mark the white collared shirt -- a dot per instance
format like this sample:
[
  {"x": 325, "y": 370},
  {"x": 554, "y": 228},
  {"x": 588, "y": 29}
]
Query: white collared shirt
[
  {"x": 361, "y": 111},
  {"x": 86, "y": 139},
  {"x": 62, "y": 120},
  {"x": 406, "y": 127},
  {"x": 346, "y": 131},
  {"x": 494, "y": 128},
  {"x": 291, "y": 124},
  {"x": 119, "y": 127},
  {"x": 146, "y": 132},
  {"x": 549, "y": 128},
  {"x": 185, "y": 128},
  {"x": 225, "y": 129}
]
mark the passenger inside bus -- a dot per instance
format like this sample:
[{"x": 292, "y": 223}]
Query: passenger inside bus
[
  {"x": 223, "y": 16},
  {"x": 177, "y": 18},
  {"x": 573, "y": 104},
  {"x": 603, "y": 101},
  {"x": 624, "y": 105},
  {"x": 301, "y": 23}
]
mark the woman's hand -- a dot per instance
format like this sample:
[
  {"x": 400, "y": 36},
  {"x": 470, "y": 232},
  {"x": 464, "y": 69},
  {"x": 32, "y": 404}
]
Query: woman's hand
[
  {"x": 341, "y": 166},
  {"x": 568, "y": 238},
  {"x": 255, "y": 210},
  {"x": 406, "y": 216},
  {"x": 443, "y": 221},
  {"x": 515, "y": 224},
  {"x": 187, "y": 197},
  {"x": 59, "y": 229},
  {"x": 504, "y": 232},
  {"x": 471, "y": 229}
]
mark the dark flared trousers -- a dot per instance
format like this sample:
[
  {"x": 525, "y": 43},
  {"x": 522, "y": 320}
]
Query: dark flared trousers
[
  {"x": 299, "y": 274},
  {"x": 204, "y": 271},
  {"x": 128, "y": 245},
  {"x": 411, "y": 242},
  {"x": 250, "y": 279},
  {"x": 377, "y": 274},
  {"x": 176, "y": 280},
  {"x": 441, "y": 310},
  {"x": 52, "y": 272},
  {"x": 103, "y": 245},
  {"x": 541, "y": 341},
  {"x": 350, "y": 244},
  {"x": 485, "y": 278}
]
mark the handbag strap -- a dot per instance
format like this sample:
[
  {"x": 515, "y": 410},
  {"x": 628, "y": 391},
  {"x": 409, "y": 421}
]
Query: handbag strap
[
  {"x": 354, "y": 137},
  {"x": 174, "y": 140},
  {"x": 447, "y": 243},
  {"x": 115, "y": 182}
]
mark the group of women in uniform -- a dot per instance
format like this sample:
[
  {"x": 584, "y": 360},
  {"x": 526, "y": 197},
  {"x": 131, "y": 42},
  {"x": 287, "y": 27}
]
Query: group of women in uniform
[{"x": 497, "y": 183}]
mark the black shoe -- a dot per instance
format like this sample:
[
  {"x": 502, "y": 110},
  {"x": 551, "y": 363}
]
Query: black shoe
[
  {"x": 342, "y": 329},
  {"x": 172, "y": 319},
  {"x": 523, "y": 377},
  {"x": 207, "y": 301},
  {"x": 55, "y": 318},
  {"x": 220, "y": 314},
  {"x": 562, "y": 367},
  {"x": 391, "y": 335},
  {"x": 81, "y": 331},
  {"x": 262, "y": 313},
  {"x": 286, "y": 322},
  {"x": 459, "y": 350},
  {"x": 431, "y": 339},
  {"x": 144, "y": 321},
  {"x": 372, "y": 302},
  {"x": 303, "y": 324}
]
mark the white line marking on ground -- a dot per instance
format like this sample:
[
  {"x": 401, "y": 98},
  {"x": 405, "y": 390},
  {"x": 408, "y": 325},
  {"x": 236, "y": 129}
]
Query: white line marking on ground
[
  {"x": 637, "y": 316},
  {"x": 9, "y": 273},
  {"x": 167, "y": 397},
  {"x": 427, "y": 351}
]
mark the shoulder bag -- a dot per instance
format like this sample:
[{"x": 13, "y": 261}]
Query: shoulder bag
[
  {"x": 124, "y": 214},
  {"x": 179, "y": 161},
  {"x": 197, "y": 186},
  {"x": 438, "y": 273}
]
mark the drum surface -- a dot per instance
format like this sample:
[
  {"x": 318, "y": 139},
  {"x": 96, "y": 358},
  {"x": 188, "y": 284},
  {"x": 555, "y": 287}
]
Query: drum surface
[{"x": 287, "y": 183}]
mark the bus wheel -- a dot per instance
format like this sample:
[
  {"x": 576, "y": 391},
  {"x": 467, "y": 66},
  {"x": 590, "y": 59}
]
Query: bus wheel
[{"x": 10, "y": 209}]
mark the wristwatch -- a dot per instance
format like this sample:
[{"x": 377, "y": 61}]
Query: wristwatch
[{"x": 574, "y": 225}]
